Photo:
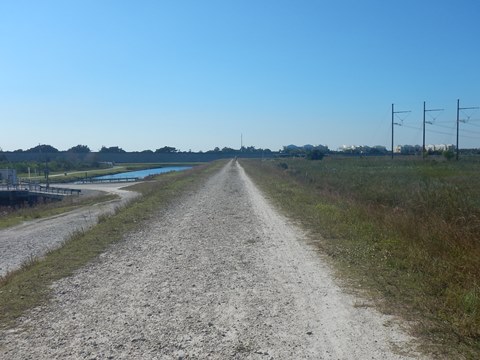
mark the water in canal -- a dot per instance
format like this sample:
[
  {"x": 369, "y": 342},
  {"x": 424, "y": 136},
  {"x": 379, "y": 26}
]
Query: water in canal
[{"x": 143, "y": 173}]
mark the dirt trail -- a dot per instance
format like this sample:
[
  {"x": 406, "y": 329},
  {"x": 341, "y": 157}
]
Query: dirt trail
[
  {"x": 35, "y": 238},
  {"x": 219, "y": 275}
]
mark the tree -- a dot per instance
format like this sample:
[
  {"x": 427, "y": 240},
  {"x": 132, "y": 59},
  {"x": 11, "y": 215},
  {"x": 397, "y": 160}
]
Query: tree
[
  {"x": 228, "y": 150},
  {"x": 315, "y": 154},
  {"x": 79, "y": 149},
  {"x": 42, "y": 149},
  {"x": 2, "y": 156},
  {"x": 166, "y": 149},
  {"x": 112, "y": 150},
  {"x": 216, "y": 150}
]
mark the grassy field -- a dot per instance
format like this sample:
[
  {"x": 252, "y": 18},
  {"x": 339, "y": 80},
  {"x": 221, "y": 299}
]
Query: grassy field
[
  {"x": 30, "y": 286},
  {"x": 405, "y": 229}
]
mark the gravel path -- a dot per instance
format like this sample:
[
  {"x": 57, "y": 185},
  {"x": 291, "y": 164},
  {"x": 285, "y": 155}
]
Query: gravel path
[
  {"x": 219, "y": 275},
  {"x": 35, "y": 238}
]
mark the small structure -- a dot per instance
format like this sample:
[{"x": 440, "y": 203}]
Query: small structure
[
  {"x": 8, "y": 177},
  {"x": 15, "y": 193}
]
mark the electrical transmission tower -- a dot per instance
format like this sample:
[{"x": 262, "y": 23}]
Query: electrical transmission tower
[
  {"x": 458, "y": 119},
  {"x": 393, "y": 121},
  {"x": 429, "y": 122}
]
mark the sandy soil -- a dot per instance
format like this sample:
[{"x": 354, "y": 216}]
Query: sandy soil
[
  {"x": 34, "y": 238},
  {"x": 218, "y": 275}
]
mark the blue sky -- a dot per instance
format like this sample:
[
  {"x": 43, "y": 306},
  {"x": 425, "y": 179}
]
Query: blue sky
[{"x": 198, "y": 74}]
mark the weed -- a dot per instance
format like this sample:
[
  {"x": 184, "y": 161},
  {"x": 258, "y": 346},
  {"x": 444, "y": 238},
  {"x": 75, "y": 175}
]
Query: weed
[{"x": 406, "y": 229}]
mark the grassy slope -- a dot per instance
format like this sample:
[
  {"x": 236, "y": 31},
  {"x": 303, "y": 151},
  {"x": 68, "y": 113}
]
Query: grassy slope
[
  {"x": 29, "y": 287},
  {"x": 407, "y": 230}
]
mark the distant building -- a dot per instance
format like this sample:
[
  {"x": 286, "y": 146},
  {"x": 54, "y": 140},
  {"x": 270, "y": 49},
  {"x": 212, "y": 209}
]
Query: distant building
[
  {"x": 363, "y": 149},
  {"x": 347, "y": 148},
  {"x": 408, "y": 149},
  {"x": 8, "y": 176},
  {"x": 440, "y": 147},
  {"x": 417, "y": 149}
]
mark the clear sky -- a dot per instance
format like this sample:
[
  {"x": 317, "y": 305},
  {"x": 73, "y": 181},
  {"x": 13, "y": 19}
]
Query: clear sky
[{"x": 197, "y": 74}]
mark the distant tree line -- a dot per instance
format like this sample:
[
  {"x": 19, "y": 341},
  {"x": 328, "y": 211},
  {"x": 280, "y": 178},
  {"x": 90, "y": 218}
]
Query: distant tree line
[
  {"x": 243, "y": 149},
  {"x": 309, "y": 152},
  {"x": 83, "y": 149},
  {"x": 70, "y": 158},
  {"x": 58, "y": 165}
]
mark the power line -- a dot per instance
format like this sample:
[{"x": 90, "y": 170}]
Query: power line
[
  {"x": 393, "y": 121},
  {"x": 458, "y": 120},
  {"x": 467, "y": 121},
  {"x": 429, "y": 122}
]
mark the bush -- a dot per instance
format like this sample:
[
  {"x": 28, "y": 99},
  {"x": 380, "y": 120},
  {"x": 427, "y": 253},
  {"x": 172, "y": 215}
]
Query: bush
[
  {"x": 448, "y": 154},
  {"x": 315, "y": 155}
]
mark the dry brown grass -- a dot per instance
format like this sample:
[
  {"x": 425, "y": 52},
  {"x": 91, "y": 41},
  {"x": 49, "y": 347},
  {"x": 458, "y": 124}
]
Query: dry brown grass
[{"x": 408, "y": 230}]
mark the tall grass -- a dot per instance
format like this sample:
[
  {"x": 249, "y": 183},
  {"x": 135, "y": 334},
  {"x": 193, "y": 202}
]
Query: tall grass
[{"x": 407, "y": 229}]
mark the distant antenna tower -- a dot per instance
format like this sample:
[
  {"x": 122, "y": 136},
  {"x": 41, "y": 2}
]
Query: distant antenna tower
[{"x": 241, "y": 142}]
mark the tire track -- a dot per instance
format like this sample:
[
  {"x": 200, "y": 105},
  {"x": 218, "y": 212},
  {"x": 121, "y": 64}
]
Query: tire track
[{"x": 218, "y": 275}]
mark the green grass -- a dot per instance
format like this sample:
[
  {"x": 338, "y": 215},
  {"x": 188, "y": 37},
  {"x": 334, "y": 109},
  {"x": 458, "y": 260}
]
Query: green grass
[
  {"x": 407, "y": 230},
  {"x": 30, "y": 286}
]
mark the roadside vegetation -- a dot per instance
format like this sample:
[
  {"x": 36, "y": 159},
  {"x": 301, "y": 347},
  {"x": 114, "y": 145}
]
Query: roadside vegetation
[
  {"x": 30, "y": 286},
  {"x": 406, "y": 230}
]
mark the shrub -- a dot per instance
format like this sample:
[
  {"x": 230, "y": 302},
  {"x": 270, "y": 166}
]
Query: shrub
[
  {"x": 448, "y": 154},
  {"x": 315, "y": 154}
]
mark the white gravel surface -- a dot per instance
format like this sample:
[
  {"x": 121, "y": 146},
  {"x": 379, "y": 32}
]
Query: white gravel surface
[
  {"x": 35, "y": 238},
  {"x": 218, "y": 275}
]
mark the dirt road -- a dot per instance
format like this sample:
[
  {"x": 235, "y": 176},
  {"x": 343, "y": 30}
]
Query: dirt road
[
  {"x": 219, "y": 275},
  {"x": 35, "y": 238}
]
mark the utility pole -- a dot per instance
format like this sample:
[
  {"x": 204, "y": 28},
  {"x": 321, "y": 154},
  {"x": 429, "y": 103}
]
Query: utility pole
[
  {"x": 458, "y": 120},
  {"x": 47, "y": 171},
  {"x": 393, "y": 121},
  {"x": 428, "y": 122}
]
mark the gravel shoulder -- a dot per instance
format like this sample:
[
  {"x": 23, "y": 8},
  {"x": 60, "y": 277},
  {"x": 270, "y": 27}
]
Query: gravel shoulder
[
  {"x": 219, "y": 274},
  {"x": 35, "y": 238}
]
